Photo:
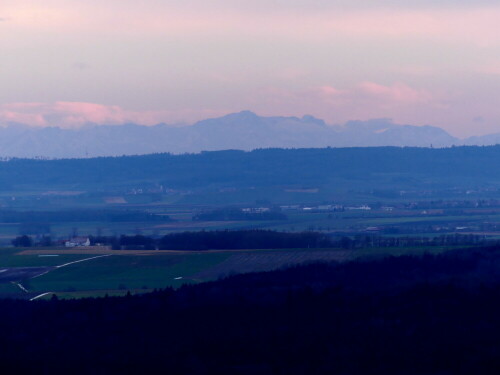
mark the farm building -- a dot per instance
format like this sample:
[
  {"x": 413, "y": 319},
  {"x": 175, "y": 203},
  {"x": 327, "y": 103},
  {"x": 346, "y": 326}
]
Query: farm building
[{"x": 77, "y": 241}]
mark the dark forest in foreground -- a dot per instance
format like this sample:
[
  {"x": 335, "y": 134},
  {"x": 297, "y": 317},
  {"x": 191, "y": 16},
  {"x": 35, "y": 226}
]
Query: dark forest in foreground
[{"x": 406, "y": 315}]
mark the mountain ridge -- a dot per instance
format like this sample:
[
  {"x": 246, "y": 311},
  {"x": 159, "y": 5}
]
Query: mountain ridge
[{"x": 244, "y": 130}]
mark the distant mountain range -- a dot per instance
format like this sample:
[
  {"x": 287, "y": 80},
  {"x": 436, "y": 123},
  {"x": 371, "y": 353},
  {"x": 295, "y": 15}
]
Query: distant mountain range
[{"x": 243, "y": 131}]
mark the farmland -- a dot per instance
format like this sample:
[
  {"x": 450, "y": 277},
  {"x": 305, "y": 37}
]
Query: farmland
[
  {"x": 344, "y": 198},
  {"x": 289, "y": 189},
  {"x": 418, "y": 218},
  {"x": 143, "y": 271}
]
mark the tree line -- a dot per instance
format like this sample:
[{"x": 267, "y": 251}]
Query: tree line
[{"x": 264, "y": 239}]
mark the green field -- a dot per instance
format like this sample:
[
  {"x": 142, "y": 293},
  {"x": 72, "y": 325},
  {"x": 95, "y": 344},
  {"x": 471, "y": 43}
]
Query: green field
[
  {"x": 124, "y": 272},
  {"x": 8, "y": 258},
  {"x": 118, "y": 274}
]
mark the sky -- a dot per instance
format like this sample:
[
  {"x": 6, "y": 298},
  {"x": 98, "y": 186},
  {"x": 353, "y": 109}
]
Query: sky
[{"x": 71, "y": 62}]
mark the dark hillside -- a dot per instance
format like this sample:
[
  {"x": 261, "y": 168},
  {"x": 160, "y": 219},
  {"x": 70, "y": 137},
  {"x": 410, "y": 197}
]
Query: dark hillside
[
  {"x": 266, "y": 167},
  {"x": 408, "y": 315}
]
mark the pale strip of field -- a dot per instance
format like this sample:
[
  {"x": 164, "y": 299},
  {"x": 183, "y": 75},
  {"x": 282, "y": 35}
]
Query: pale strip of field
[
  {"x": 481, "y": 233},
  {"x": 194, "y": 224},
  {"x": 87, "y": 252},
  {"x": 76, "y": 251},
  {"x": 115, "y": 200},
  {"x": 64, "y": 192},
  {"x": 96, "y": 252}
]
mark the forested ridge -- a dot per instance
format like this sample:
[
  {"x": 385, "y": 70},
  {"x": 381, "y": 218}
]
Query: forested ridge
[
  {"x": 259, "y": 167},
  {"x": 434, "y": 314}
]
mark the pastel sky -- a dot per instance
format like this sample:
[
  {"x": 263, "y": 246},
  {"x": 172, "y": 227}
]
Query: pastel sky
[{"x": 70, "y": 62}]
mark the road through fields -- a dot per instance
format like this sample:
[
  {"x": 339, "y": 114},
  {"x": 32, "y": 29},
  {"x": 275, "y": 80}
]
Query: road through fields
[{"x": 16, "y": 275}]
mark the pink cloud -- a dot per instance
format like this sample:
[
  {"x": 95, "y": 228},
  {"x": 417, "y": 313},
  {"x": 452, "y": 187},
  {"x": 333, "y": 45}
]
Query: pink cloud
[
  {"x": 363, "y": 101},
  {"x": 455, "y": 111},
  {"x": 397, "y": 93},
  {"x": 76, "y": 114},
  {"x": 366, "y": 100},
  {"x": 329, "y": 91}
]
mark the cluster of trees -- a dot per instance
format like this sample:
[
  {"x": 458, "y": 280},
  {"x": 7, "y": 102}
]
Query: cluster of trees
[
  {"x": 137, "y": 242},
  {"x": 236, "y": 214},
  {"x": 243, "y": 239},
  {"x": 22, "y": 241},
  {"x": 405, "y": 315},
  {"x": 218, "y": 240}
]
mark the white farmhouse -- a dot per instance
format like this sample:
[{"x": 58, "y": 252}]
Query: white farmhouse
[{"x": 77, "y": 242}]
